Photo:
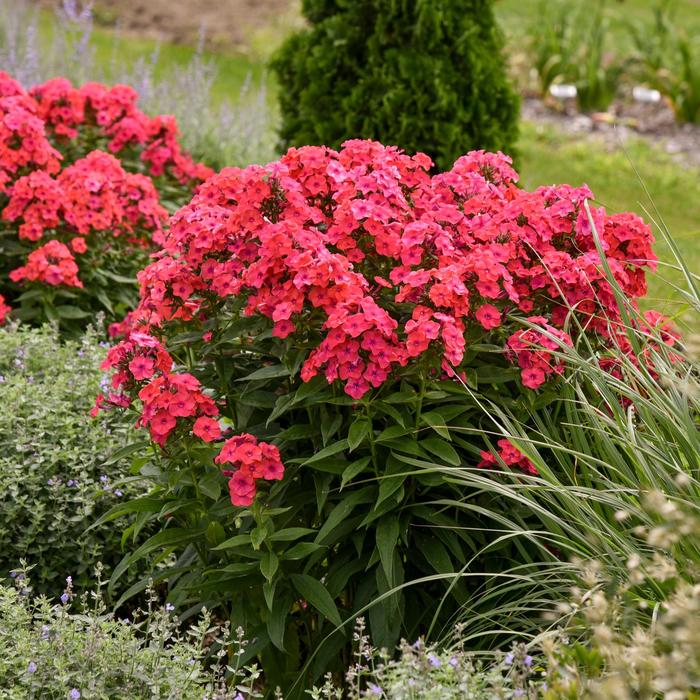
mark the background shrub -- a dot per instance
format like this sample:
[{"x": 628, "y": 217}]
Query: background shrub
[
  {"x": 54, "y": 479},
  {"x": 426, "y": 76}
]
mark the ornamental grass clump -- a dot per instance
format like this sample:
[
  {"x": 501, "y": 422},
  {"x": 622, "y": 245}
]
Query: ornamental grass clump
[
  {"x": 311, "y": 336},
  {"x": 84, "y": 175}
]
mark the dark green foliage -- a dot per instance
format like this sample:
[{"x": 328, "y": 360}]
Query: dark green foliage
[{"x": 425, "y": 75}]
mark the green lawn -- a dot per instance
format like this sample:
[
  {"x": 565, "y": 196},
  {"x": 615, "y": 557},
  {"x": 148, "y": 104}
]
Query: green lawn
[{"x": 618, "y": 179}]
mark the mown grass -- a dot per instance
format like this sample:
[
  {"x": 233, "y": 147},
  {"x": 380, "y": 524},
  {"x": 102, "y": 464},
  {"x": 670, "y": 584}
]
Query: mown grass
[{"x": 620, "y": 178}]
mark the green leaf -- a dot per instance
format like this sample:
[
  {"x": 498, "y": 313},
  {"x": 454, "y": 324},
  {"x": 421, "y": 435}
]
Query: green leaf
[
  {"x": 402, "y": 397},
  {"x": 358, "y": 431},
  {"x": 301, "y": 550},
  {"x": 391, "y": 433},
  {"x": 387, "y": 537},
  {"x": 342, "y": 510},
  {"x": 290, "y": 534},
  {"x": 389, "y": 484},
  {"x": 258, "y": 536},
  {"x": 235, "y": 541},
  {"x": 436, "y": 422},
  {"x": 138, "y": 505},
  {"x": 441, "y": 449},
  {"x": 126, "y": 451},
  {"x": 314, "y": 593},
  {"x": 277, "y": 621},
  {"x": 353, "y": 469},
  {"x": 269, "y": 593},
  {"x": 215, "y": 533},
  {"x": 172, "y": 537},
  {"x": 492, "y": 374},
  {"x": 330, "y": 424},
  {"x": 118, "y": 278},
  {"x": 301, "y": 431},
  {"x": 436, "y": 553},
  {"x": 329, "y": 451},
  {"x": 269, "y": 372},
  {"x": 211, "y": 486},
  {"x": 68, "y": 311},
  {"x": 269, "y": 565}
]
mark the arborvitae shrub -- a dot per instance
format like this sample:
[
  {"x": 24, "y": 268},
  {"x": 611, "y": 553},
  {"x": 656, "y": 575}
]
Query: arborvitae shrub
[{"x": 425, "y": 75}]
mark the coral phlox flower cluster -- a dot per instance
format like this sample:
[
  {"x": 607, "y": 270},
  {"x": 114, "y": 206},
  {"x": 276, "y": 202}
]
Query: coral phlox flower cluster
[
  {"x": 4, "y": 310},
  {"x": 173, "y": 402},
  {"x": 390, "y": 263},
  {"x": 511, "y": 457},
  {"x": 378, "y": 264},
  {"x": 534, "y": 350},
  {"x": 112, "y": 113},
  {"x": 253, "y": 460},
  {"x": 93, "y": 195},
  {"x": 52, "y": 264},
  {"x": 170, "y": 400}
]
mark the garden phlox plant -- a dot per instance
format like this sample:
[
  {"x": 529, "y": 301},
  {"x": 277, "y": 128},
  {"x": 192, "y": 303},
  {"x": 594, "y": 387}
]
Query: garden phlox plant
[
  {"x": 374, "y": 266},
  {"x": 80, "y": 174},
  {"x": 316, "y": 332}
]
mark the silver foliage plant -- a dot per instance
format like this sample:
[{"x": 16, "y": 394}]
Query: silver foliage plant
[{"x": 229, "y": 132}]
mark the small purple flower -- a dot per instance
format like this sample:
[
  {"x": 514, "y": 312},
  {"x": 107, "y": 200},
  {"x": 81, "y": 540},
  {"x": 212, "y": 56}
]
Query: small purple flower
[
  {"x": 45, "y": 629},
  {"x": 69, "y": 580},
  {"x": 434, "y": 661},
  {"x": 375, "y": 689},
  {"x": 518, "y": 693},
  {"x": 509, "y": 659},
  {"x": 30, "y": 379},
  {"x": 103, "y": 344},
  {"x": 50, "y": 482},
  {"x": 104, "y": 479},
  {"x": 453, "y": 662},
  {"x": 411, "y": 682},
  {"x": 13, "y": 574},
  {"x": 74, "y": 694},
  {"x": 169, "y": 607},
  {"x": 527, "y": 661},
  {"x": 72, "y": 483},
  {"x": 24, "y": 591},
  {"x": 65, "y": 598},
  {"x": 31, "y": 668},
  {"x": 81, "y": 353},
  {"x": 2, "y": 378},
  {"x": 118, "y": 493}
]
